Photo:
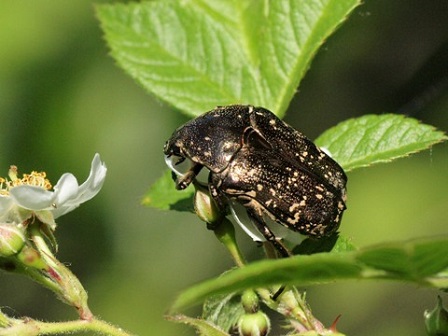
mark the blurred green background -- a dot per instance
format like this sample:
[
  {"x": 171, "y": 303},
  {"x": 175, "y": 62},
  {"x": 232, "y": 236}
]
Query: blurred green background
[{"x": 62, "y": 99}]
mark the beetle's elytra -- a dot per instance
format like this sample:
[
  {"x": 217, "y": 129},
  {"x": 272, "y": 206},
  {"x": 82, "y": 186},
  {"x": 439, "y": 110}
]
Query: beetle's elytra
[{"x": 259, "y": 161}]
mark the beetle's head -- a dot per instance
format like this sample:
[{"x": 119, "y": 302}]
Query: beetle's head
[
  {"x": 211, "y": 139},
  {"x": 174, "y": 156},
  {"x": 172, "y": 148}
]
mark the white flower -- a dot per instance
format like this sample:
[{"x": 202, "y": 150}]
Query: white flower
[{"x": 21, "y": 198}]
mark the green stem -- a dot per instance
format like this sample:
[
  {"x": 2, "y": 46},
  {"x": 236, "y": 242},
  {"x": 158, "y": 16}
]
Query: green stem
[
  {"x": 68, "y": 288},
  {"x": 35, "y": 274},
  {"x": 225, "y": 232},
  {"x": 35, "y": 328}
]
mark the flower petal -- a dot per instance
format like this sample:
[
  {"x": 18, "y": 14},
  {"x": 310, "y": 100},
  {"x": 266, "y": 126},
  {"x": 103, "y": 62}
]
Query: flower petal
[
  {"x": 87, "y": 190},
  {"x": 63, "y": 209},
  {"x": 66, "y": 189},
  {"x": 94, "y": 182},
  {"x": 32, "y": 197}
]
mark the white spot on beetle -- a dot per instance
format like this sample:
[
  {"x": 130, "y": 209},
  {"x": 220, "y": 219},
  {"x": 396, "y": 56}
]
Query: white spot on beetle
[
  {"x": 293, "y": 207},
  {"x": 295, "y": 219},
  {"x": 319, "y": 187}
]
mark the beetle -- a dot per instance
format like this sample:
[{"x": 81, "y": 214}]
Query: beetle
[{"x": 262, "y": 163}]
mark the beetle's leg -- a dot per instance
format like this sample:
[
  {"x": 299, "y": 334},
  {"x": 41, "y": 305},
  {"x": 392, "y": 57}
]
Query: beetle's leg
[
  {"x": 267, "y": 233},
  {"x": 184, "y": 181},
  {"x": 270, "y": 237},
  {"x": 278, "y": 292}
]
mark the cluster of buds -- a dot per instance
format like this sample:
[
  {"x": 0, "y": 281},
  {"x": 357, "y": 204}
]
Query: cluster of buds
[{"x": 29, "y": 206}]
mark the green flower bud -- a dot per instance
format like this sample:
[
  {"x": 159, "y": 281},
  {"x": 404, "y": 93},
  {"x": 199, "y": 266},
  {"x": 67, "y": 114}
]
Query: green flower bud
[
  {"x": 249, "y": 300},
  {"x": 205, "y": 206},
  {"x": 256, "y": 324},
  {"x": 12, "y": 239},
  {"x": 436, "y": 321}
]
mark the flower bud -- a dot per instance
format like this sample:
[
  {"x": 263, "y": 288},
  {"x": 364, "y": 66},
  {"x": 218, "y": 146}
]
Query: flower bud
[
  {"x": 205, "y": 206},
  {"x": 256, "y": 324},
  {"x": 12, "y": 239},
  {"x": 436, "y": 321},
  {"x": 249, "y": 300}
]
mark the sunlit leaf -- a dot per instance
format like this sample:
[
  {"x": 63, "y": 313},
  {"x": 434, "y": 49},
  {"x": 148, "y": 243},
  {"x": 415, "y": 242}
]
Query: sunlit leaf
[
  {"x": 372, "y": 139},
  {"x": 198, "y": 54}
]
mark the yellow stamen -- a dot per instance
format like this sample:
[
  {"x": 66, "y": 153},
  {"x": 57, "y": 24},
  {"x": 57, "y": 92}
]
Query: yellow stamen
[{"x": 37, "y": 179}]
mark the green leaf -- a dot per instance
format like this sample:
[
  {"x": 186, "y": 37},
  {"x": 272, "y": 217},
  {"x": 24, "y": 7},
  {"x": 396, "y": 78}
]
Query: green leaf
[
  {"x": 164, "y": 195},
  {"x": 203, "y": 327},
  {"x": 408, "y": 260},
  {"x": 223, "y": 311},
  {"x": 344, "y": 244},
  {"x": 198, "y": 54},
  {"x": 303, "y": 270},
  {"x": 418, "y": 261},
  {"x": 372, "y": 139}
]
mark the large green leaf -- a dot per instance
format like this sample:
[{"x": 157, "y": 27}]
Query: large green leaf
[
  {"x": 420, "y": 261},
  {"x": 198, "y": 54},
  {"x": 372, "y": 139}
]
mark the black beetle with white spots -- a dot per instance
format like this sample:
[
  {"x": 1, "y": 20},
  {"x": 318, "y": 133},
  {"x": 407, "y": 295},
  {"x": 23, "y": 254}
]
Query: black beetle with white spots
[{"x": 262, "y": 163}]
